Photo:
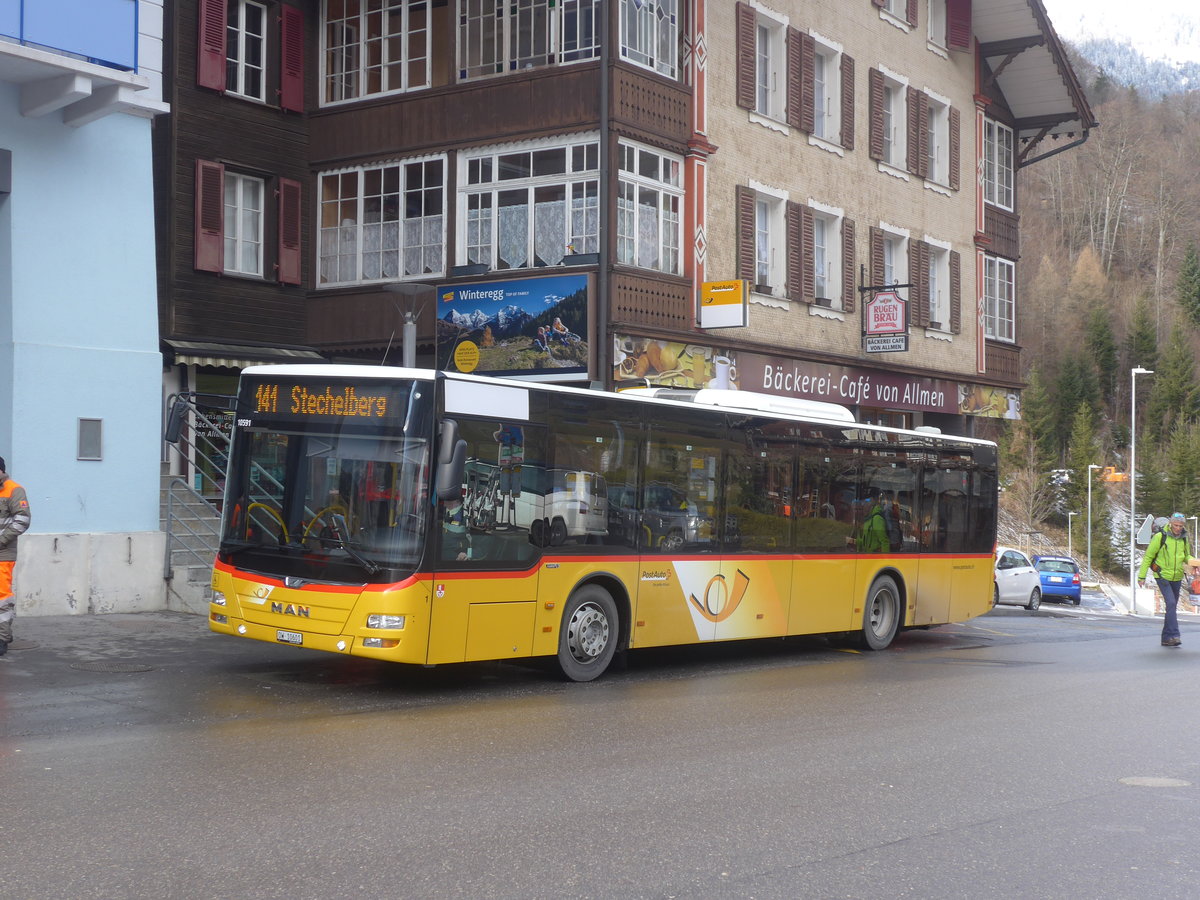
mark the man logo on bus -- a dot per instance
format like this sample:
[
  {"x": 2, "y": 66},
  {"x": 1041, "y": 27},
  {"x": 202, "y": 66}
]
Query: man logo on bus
[
  {"x": 718, "y": 603},
  {"x": 290, "y": 609}
]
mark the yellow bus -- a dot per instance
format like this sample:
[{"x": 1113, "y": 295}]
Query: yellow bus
[{"x": 410, "y": 515}]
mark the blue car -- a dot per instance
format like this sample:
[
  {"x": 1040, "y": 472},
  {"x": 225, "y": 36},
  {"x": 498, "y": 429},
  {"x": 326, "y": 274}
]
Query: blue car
[{"x": 1060, "y": 577}]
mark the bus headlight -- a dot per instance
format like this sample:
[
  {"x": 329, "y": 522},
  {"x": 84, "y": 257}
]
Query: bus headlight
[
  {"x": 382, "y": 621},
  {"x": 218, "y": 598}
]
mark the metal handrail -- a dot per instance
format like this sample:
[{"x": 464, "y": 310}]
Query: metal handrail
[{"x": 209, "y": 536}]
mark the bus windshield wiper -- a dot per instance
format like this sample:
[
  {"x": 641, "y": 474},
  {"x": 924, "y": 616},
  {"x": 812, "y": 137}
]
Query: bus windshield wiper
[{"x": 340, "y": 538}]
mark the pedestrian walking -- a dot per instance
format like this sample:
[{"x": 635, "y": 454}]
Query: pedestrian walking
[
  {"x": 14, "y": 520},
  {"x": 1167, "y": 558}
]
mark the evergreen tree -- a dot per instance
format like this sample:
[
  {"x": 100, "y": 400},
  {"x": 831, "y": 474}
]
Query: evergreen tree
[
  {"x": 1141, "y": 345},
  {"x": 1175, "y": 396},
  {"x": 1076, "y": 386},
  {"x": 1039, "y": 414},
  {"x": 1187, "y": 285},
  {"x": 1102, "y": 346}
]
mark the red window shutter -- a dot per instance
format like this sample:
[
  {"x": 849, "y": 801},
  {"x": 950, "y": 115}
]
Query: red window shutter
[
  {"x": 958, "y": 24},
  {"x": 849, "y": 289},
  {"x": 745, "y": 234},
  {"x": 954, "y": 148},
  {"x": 747, "y": 62},
  {"x": 847, "y": 102},
  {"x": 910, "y": 13},
  {"x": 291, "y": 59},
  {"x": 795, "y": 252},
  {"x": 210, "y": 216},
  {"x": 879, "y": 3},
  {"x": 210, "y": 50},
  {"x": 955, "y": 293},
  {"x": 875, "y": 112},
  {"x": 808, "y": 107},
  {"x": 808, "y": 273},
  {"x": 922, "y": 134},
  {"x": 795, "y": 77},
  {"x": 290, "y": 268}
]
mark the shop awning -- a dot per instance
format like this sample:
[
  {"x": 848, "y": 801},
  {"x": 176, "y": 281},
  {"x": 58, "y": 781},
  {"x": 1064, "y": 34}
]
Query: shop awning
[{"x": 235, "y": 356}]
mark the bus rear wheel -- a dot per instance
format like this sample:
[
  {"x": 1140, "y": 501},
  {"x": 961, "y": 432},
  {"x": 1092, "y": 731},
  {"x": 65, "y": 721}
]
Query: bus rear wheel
[
  {"x": 881, "y": 614},
  {"x": 587, "y": 639}
]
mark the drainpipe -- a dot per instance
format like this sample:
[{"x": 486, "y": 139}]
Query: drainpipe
[{"x": 603, "y": 274}]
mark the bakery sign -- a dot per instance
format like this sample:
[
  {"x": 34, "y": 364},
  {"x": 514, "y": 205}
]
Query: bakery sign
[
  {"x": 845, "y": 385},
  {"x": 885, "y": 323}
]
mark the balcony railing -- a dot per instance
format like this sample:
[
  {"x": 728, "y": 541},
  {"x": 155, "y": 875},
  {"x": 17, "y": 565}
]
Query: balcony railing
[{"x": 104, "y": 32}]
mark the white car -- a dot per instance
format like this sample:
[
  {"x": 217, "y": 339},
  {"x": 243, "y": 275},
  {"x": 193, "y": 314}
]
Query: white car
[{"x": 1017, "y": 581}]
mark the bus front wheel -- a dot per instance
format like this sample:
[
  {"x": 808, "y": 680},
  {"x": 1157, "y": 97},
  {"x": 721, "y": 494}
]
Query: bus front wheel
[
  {"x": 588, "y": 637},
  {"x": 881, "y": 614}
]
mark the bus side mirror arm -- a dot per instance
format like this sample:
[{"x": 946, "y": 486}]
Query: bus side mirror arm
[{"x": 451, "y": 461}]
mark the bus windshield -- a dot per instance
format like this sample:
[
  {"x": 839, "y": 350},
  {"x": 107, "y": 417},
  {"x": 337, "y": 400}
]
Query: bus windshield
[{"x": 349, "y": 504}]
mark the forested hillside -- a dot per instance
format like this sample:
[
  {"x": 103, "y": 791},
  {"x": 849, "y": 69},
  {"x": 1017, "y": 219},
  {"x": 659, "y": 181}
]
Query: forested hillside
[{"x": 1110, "y": 281}]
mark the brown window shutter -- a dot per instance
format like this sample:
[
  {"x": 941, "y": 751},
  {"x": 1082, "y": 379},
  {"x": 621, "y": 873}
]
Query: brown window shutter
[
  {"x": 291, "y": 59},
  {"x": 795, "y": 77},
  {"x": 745, "y": 234},
  {"x": 849, "y": 289},
  {"x": 923, "y": 134},
  {"x": 915, "y": 101},
  {"x": 954, "y": 148},
  {"x": 876, "y": 256},
  {"x": 290, "y": 267},
  {"x": 958, "y": 24},
  {"x": 210, "y": 216},
  {"x": 795, "y": 252},
  {"x": 880, "y": 4},
  {"x": 747, "y": 61},
  {"x": 808, "y": 100},
  {"x": 910, "y": 13},
  {"x": 847, "y": 102},
  {"x": 808, "y": 285},
  {"x": 918, "y": 294},
  {"x": 875, "y": 112},
  {"x": 955, "y": 293},
  {"x": 210, "y": 54}
]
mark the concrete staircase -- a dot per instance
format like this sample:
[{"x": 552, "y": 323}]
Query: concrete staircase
[{"x": 193, "y": 529}]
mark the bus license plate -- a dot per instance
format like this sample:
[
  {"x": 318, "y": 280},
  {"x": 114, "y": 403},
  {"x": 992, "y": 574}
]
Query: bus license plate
[{"x": 289, "y": 637}]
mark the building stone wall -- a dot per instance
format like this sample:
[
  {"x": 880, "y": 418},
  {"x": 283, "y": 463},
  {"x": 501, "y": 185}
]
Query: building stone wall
[{"x": 785, "y": 159}]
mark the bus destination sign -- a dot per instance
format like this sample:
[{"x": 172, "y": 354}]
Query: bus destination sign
[{"x": 318, "y": 400}]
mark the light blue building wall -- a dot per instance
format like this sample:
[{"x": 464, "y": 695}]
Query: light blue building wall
[{"x": 79, "y": 319}]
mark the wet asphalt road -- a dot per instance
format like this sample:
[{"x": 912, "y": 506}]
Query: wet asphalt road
[{"x": 1049, "y": 754}]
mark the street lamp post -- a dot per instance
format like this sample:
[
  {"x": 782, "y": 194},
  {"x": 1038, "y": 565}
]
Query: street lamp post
[
  {"x": 1133, "y": 374},
  {"x": 1195, "y": 533},
  {"x": 1089, "y": 524},
  {"x": 1070, "y": 545}
]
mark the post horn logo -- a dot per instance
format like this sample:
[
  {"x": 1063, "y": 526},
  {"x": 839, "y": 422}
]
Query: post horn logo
[{"x": 719, "y": 602}]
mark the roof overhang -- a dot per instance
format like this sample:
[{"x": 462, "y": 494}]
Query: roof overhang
[
  {"x": 1028, "y": 63},
  {"x": 236, "y": 356}
]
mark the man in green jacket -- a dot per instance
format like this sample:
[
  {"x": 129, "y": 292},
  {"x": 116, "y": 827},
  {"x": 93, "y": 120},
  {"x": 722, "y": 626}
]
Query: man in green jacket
[
  {"x": 873, "y": 537},
  {"x": 1167, "y": 556}
]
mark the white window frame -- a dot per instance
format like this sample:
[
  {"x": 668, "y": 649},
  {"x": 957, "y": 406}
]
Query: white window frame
[
  {"x": 492, "y": 181},
  {"x": 649, "y": 35},
  {"x": 350, "y": 79},
  {"x": 770, "y": 67},
  {"x": 649, "y": 239},
  {"x": 999, "y": 299},
  {"x": 770, "y": 241},
  {"x": 938, "y": 137},
  {"x": 895, "y": 254},
  {"x": 937, "y": 23},
  {"x": 411, "y": 240},
  {"x": 517, "y": 35},
  {"x": 895, "y": 12},
  {"x": 998, "y": 164},
  {"x": 895, "y": 120},
  {"x": 243, "y": 224},
  {"x": 938, "y": 298},
  {"x": 827, "y": 90},
  {"x": 240, "y": 42},
  {"x": 829, "y": 219}
]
